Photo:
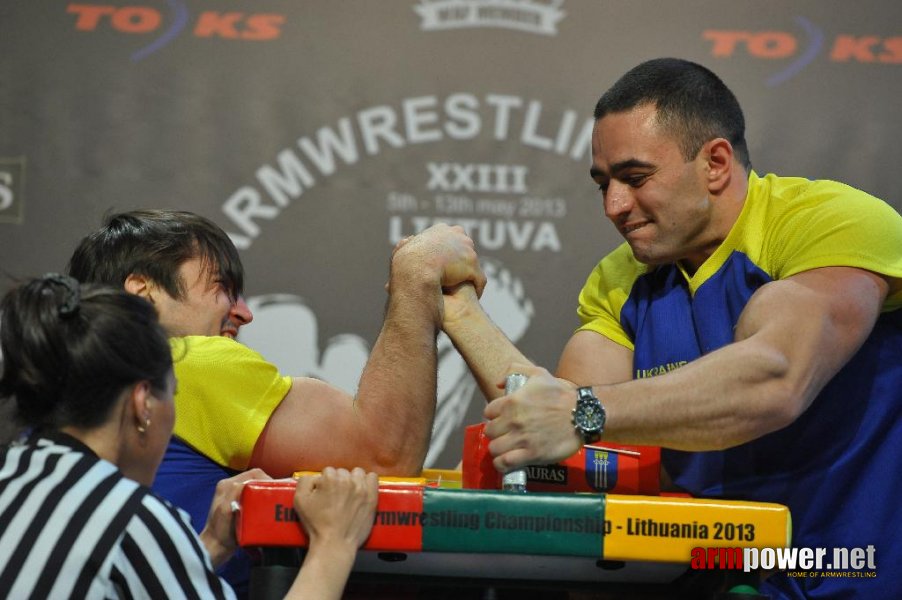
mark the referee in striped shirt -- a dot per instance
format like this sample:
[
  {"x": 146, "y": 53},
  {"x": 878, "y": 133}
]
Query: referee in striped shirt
[{"x": 89, "y": 371}]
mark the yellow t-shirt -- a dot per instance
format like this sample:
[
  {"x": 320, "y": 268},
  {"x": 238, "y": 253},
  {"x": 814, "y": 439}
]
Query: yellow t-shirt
[{"x": 225, "y": 395}]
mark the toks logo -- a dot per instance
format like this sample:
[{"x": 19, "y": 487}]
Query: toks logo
[
  {"x": 774, "y": 45},
  {"x": 143, "y": 20}
]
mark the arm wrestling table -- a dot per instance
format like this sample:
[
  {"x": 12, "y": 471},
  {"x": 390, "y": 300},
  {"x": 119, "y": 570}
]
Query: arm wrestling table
[{"x": 429, "y": 535}]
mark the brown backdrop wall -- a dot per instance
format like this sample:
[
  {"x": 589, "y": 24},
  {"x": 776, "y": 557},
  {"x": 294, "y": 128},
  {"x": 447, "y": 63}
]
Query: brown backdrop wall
[{"x": 318, "y": 133}]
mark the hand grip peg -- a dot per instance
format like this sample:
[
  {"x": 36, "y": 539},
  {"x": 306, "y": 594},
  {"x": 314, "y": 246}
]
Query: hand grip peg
[{"x": 514, "y": 481}]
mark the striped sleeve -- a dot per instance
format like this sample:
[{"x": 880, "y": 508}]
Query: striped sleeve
[{"x": 72, "y": 526}]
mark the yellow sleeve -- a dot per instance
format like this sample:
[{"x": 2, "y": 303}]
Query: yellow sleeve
[
  {"x": 832, "y": 224},
  {"x": 225, "y": 394},
  {"x": 605, "y": 293}
]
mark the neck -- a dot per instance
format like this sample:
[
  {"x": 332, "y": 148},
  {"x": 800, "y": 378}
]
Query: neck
[
  {"x": 99, "y": 439},
  {"x": 727, "y": 206}
]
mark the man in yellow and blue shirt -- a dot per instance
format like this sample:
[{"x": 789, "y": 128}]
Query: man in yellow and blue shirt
[{"x": 750, "y": 326}]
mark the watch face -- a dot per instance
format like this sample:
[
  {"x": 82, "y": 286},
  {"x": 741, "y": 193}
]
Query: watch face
[{"x": 588, "y": 416}]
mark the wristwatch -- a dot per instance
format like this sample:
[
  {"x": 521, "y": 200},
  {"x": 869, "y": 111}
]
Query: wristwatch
[{"x": 588, "y": 416}]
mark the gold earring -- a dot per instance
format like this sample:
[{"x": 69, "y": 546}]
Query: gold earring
[{"x": 145, "y": 427}]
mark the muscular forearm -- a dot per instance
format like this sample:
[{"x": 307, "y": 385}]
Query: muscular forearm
[
  {"x": 790, "y": 341},
  {"x": 398, "y": 386},
  {"x": 792, "y": 338},
  {"x": 726, "y": 398},
  {"x": 396, "y": 397},
  {"x": 486, "y": 350},
  {"x": 689, "y": 409}
]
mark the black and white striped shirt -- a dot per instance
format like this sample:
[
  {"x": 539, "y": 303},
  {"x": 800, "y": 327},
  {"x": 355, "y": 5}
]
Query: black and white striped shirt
[{"x": 72, "y": 526}]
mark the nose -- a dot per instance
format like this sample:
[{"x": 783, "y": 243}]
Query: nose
[
  {"x": 617, "y": 201},
  {"x": 240, "y": 313}
]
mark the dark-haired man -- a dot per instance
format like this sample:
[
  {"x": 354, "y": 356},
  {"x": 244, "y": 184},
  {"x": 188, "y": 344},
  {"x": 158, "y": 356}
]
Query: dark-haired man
[
  {"x": 234, "y": 409},
  {"x": 751, "y": 326}
]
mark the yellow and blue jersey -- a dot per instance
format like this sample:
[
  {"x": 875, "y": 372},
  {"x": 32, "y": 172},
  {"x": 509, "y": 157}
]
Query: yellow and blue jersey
[{"x": 836, "y": 465}]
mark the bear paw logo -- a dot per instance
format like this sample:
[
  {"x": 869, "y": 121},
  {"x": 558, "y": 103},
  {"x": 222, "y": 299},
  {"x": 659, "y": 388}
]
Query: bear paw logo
[{"x": 286, "y": 332}]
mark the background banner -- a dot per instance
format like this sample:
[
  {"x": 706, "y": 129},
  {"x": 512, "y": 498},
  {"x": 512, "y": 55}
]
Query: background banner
[{"x": 319, "y": 133}]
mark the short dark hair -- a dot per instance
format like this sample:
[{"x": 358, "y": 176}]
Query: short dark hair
[
  {"x": 693, "y": 104},
  {"x": 154, "y": 244},
  {"x": 69, "y": 350}
]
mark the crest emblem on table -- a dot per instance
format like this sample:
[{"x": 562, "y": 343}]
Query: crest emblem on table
[{"x": 601, "y": 469}]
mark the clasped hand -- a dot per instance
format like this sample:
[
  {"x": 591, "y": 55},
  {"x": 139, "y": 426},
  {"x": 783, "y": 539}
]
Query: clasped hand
[
  {"x": 534, "y": 424},
  {"x": 442, "y": 252}
]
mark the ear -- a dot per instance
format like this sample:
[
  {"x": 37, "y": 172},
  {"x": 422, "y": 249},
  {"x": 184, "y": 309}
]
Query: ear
[
  {"x": 720, "y": 164},
  {"x": 141, "y": 397},
  {"x": 139, "y": 285}
]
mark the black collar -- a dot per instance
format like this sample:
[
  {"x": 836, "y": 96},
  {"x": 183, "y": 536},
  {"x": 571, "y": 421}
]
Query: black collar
[{"x": 61, "y": 438}]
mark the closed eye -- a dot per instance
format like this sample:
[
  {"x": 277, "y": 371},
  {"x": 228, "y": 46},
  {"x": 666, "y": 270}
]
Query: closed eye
[
  {"x": 635, "y": 180},
  {"x": 226, "y": 289}
]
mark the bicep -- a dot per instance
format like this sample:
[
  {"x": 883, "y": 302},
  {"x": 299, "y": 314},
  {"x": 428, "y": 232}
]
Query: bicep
[
  {"x": 314, "y": 426},
  {"x": 590, "y": 358},
  {"x": 814, "y": 322}
]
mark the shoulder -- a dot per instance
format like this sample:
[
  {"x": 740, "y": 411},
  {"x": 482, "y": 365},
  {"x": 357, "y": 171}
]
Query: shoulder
[
  {"x": 787, "y": 198},
  {"x": 203, "y": 347},
  {"x": 197, "y": 356},
  {"x": 218, "y": 361},
  {"x": 805, "y": 224},
  {"x": 605, "y": 292}
]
